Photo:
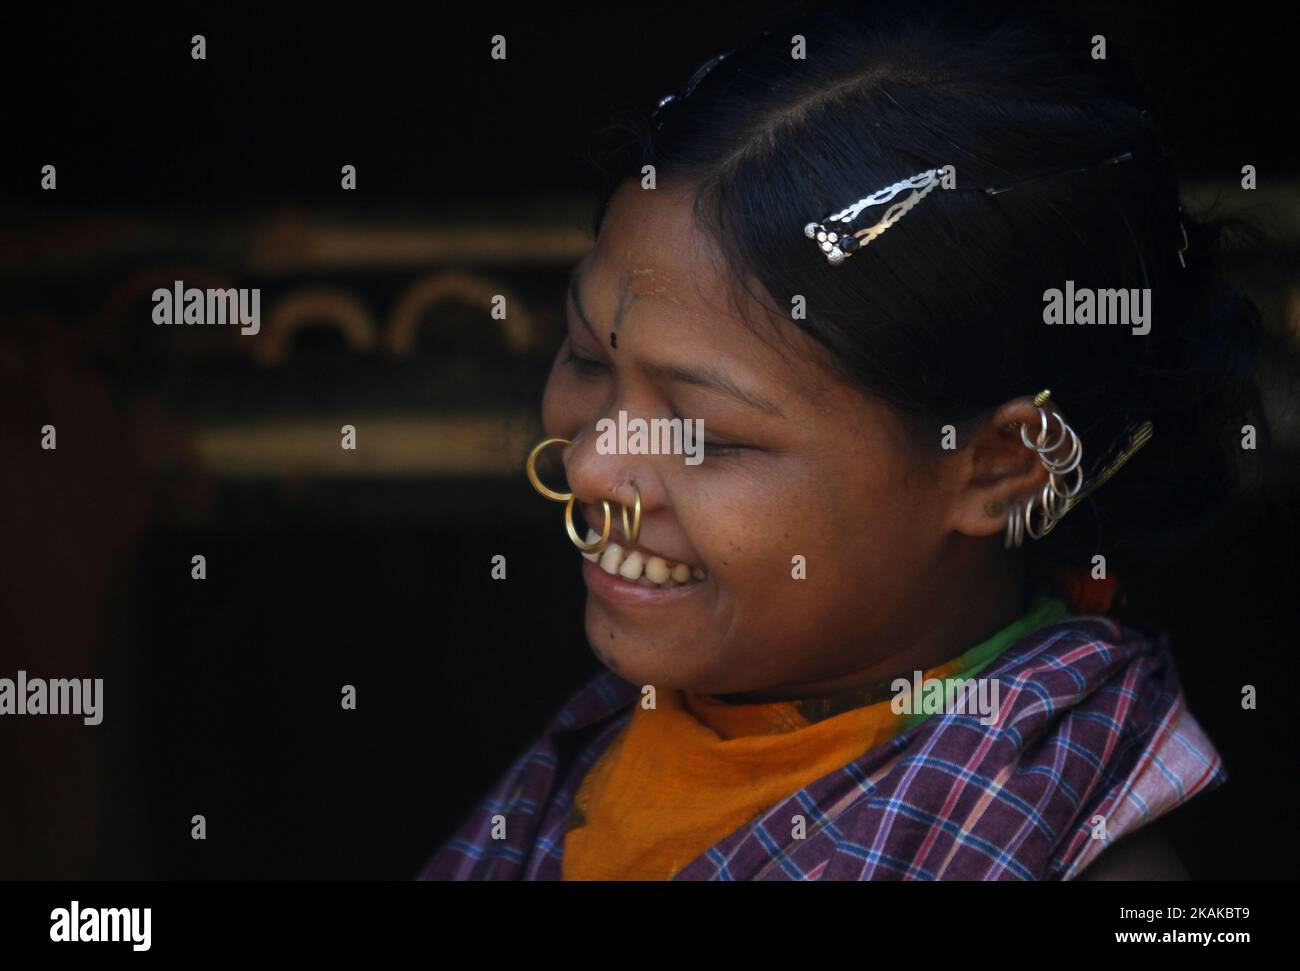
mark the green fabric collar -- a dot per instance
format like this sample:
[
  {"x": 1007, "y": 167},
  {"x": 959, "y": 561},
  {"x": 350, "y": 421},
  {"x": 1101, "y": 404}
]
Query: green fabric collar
[{"x": 1046, "y": 609}]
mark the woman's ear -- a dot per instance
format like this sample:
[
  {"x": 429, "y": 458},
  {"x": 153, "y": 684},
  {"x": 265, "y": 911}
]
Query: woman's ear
[{"x": 995, "y": 469}]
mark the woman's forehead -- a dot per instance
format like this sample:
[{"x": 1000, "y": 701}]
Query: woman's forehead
[{"x": 650, "y": 241}]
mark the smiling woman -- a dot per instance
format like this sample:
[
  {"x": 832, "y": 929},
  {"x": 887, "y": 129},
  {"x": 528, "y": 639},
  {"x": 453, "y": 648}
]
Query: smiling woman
[{"x": 881, "y": 441}]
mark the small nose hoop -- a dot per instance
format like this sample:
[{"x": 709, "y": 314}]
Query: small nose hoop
[{"x": 631, "y": 530}]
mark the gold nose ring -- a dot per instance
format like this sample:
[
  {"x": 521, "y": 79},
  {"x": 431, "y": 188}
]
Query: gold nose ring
[
  {"x": 596, "y": 546},
  {"x": 631, "y": 530},
  {"x": 532, "y": 470}
]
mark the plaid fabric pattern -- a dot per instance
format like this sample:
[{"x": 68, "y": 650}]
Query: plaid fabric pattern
[{"x": 1092, "y": 725}]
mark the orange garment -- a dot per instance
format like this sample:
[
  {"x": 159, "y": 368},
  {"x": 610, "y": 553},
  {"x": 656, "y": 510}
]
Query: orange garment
[
  {"x": 682, "y": 776},
  {"x": 663, "y": 793}
]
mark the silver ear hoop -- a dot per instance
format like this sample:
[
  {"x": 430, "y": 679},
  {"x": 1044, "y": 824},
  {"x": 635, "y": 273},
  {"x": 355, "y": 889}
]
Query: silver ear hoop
[
  {"x": 1070, "y": 462},
  {"x": 1054, "y": 504},
  {"x": 1015, "y": 527},
  {"x": 1053, "y": 477},
  {"x": 1043, "y": 521},
  {"x": 1042, "y": 419},
  {"x": 1045, "y": 419}
]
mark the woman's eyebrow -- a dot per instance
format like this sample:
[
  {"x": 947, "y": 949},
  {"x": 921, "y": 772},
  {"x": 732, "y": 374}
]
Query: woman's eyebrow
[{"x": 707, "y": 377}]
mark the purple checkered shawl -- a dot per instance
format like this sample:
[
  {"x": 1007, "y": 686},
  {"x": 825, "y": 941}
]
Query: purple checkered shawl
[{"x": 1092, "y": 725}]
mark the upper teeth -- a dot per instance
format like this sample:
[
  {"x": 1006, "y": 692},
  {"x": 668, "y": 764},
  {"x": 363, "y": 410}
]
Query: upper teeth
[{"x": 637, "y": 566}]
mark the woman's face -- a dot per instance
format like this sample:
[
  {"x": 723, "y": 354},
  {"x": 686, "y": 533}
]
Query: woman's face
[{"x": 796, "y": 464}]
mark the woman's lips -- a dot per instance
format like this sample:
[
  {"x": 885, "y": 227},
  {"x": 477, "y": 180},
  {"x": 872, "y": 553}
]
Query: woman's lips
[{"x": 617, "y": 590}]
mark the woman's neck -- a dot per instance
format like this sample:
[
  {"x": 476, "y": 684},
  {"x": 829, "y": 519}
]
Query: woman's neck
[{"x": 970, "y": 607}]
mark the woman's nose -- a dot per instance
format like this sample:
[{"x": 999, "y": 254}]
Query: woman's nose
[{"x": 593, "y": 475}]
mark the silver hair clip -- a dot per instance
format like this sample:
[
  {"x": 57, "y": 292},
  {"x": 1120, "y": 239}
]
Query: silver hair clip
[
  {"x": 838, "y": 244},
  {"x": 700, "y": 74}
]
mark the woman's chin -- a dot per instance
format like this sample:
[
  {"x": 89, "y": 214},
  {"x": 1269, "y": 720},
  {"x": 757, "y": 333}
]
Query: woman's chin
[{"x": 667, "y": 665}]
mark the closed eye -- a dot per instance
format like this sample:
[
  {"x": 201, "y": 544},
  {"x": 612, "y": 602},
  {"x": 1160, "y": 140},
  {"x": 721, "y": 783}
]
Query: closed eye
[
  {"x": 717, "y": 449},
  {"x": 722, "y": 448},
  {"x": 585, "y": 366}
]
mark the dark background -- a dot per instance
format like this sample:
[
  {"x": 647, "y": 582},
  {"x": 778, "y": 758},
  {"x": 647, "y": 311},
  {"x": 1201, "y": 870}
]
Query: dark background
[{"x": 222, "y": 696}]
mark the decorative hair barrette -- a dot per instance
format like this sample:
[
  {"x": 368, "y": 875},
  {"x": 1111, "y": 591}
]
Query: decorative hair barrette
[
  {"x": 837, "y": 240},
  {"x": 834, "y": 236}
]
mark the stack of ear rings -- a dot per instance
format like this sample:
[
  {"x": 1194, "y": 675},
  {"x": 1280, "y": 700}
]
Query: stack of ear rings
[
  {"x": 631, "y": 530},
  {"x": 1054, "y": 500},
  {"x": 1065, "y": 487}
]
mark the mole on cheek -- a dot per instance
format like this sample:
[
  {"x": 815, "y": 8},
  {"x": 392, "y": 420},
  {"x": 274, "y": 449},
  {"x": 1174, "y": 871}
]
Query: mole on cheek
[{"x": 613, "y": 340}]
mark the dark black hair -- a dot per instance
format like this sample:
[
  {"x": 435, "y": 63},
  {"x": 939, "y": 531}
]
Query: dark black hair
[{"x": 942, "y": 316}]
